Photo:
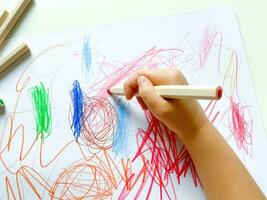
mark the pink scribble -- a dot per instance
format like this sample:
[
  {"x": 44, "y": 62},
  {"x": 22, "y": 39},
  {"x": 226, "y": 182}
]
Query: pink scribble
[
  {"x": 241, "y": 125},
  {"x": 207, "y": 43}
]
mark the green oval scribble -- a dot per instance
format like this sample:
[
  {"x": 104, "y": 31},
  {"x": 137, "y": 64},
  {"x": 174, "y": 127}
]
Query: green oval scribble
[{"x": 42, "y": 110}]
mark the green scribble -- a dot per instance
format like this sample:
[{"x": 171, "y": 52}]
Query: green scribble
[{"x": 42, "y": 109}]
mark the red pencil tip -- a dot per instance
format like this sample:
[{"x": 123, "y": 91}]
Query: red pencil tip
[
  {"x": 219, "y": 92},
  {"x": 108, "y": 90}
]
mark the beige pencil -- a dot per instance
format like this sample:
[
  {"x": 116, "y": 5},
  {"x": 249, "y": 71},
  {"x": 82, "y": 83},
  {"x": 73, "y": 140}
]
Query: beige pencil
[
  {"x": 12, "y": 18},
  {"x": 3, "y": 16},
  {"x": 179, "y": 91},
  {"x": 13, "y": 56}
]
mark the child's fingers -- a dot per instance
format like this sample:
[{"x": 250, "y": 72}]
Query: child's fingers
[
  {"x": 146, "y": 91},
  {"x": 130, "y": 86},
  {"x": 142, "y": 103},
  {"x": 156, "y": 76},
  {"x": 167, "y": 76}
]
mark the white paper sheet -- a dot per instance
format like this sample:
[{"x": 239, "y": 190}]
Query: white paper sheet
[{"x": 105, "y": 159}]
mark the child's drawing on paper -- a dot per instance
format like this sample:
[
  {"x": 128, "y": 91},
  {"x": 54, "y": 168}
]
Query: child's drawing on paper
[{"x": 66, "y": 137}]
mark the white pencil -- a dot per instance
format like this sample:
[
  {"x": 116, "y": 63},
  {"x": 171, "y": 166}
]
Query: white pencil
[{"x": 179, "y": 91}]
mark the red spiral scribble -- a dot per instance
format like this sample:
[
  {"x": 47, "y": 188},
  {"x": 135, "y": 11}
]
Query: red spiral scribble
[
  {"x": 98, "y": 122},
  {"x": 84, "y": 180}
]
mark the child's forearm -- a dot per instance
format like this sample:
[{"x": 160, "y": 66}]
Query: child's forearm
[{"x": 222, "y": 174}]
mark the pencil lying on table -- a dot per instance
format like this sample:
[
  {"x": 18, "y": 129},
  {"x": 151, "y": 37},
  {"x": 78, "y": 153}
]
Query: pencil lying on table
[
  {"x": 7, "y": 22},
  {"x": 11, "y": 58},
  {"x": 12, "y": 19},
  {"x": 3, "y": 16},
  {"x": 179, "y": 91}
]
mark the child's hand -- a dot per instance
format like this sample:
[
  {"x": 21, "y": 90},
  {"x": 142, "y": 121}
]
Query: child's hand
[
  {"x": 213, "y": 158},
  {"x": 184, "y": 117}
]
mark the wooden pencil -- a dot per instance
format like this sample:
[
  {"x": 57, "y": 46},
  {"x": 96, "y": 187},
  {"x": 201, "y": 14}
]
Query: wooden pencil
[
  {"x": 179, "y": 91},
  {"x": 12, "y": 18},
  {"x": 13, "y": 56},
  {"x": 3, "y": 16}
]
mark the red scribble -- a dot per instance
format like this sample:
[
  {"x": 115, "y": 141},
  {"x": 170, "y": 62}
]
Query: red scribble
[
  {"x": 160, "y": 147},
  {"x": 238, "y": 115},
  {"x": 99, "y": 120},
  {"x": 240, "y": 125}
]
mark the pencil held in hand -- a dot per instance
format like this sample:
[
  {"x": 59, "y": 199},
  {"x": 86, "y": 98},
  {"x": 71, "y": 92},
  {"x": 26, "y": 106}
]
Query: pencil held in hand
[{"x": 179, "y": 91}]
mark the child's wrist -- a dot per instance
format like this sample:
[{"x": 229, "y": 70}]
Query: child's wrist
[
  {"x": 197, "y": 135},
  {"x": 195, "y": 132}
]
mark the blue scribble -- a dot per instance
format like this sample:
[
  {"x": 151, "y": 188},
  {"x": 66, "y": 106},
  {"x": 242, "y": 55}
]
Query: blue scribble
[
  {"x": 78, "y": 109},
  {"x": 87, "y": 57},
  {"x": 120, "y": 139}
]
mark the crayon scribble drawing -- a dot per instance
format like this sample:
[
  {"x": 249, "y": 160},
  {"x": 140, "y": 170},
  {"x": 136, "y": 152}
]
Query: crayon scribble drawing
[
  {"x": 42, "y": 108},
  {"x": 63, "y": 136}
]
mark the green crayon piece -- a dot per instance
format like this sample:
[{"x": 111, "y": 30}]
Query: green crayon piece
[{"x": 2, "y": 104}]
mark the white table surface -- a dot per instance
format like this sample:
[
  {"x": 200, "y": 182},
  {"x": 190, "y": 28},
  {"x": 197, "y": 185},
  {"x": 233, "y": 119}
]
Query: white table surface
[{"x": 48, "y": 16}]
